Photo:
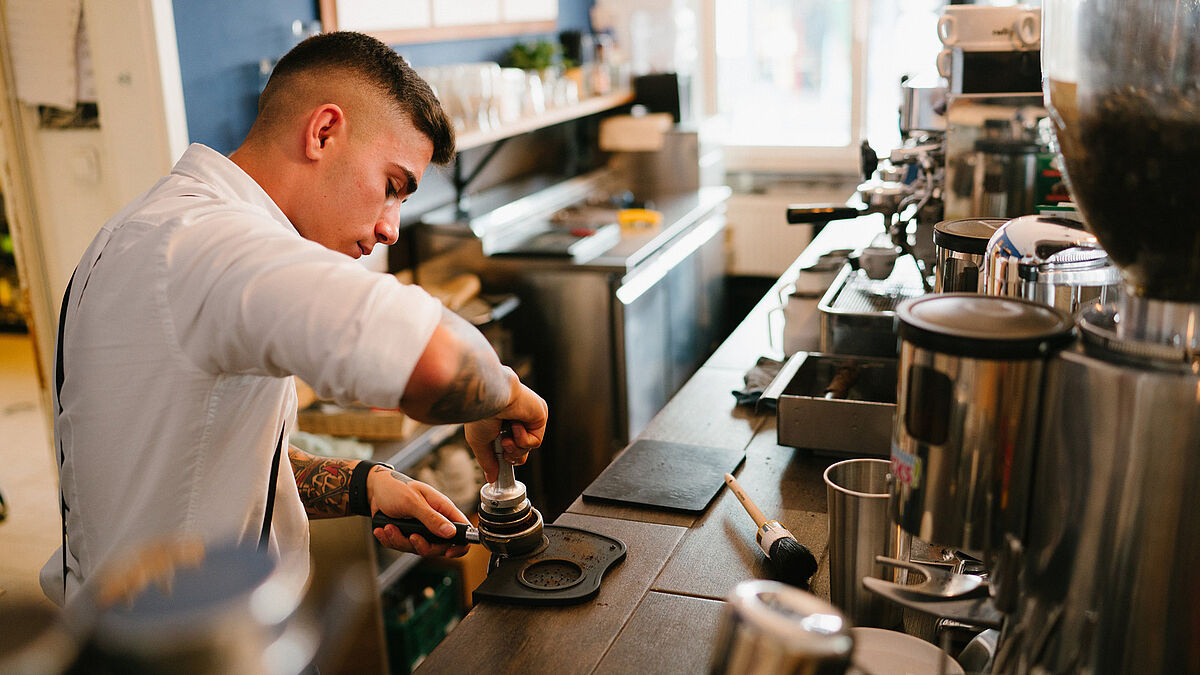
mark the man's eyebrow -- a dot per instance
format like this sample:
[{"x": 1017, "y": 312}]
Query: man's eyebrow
[{"x": 412, "y": 180}]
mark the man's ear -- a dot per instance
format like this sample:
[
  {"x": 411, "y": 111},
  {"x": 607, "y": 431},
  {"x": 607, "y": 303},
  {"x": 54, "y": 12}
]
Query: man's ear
[{"x": 325, "y": 124}]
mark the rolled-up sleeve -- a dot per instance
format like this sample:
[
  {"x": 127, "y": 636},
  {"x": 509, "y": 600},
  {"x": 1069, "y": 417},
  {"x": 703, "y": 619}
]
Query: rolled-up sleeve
[{"x": 251, "y": 298}]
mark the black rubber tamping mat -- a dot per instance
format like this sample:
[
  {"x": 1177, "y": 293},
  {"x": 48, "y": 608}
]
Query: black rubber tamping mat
[
  {"x": 567, "y": 571},
  {"x": 661, "y": 474}
]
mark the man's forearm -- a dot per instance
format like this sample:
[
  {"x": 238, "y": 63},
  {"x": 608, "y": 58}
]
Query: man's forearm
[
  {"x": 323, "y": 482},
  {"x": 478, "y": 391},
  {"x": 476, "y": 385}
]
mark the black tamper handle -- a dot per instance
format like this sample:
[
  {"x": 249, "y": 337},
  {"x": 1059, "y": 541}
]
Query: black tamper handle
[{"x": 463, "y": 532}]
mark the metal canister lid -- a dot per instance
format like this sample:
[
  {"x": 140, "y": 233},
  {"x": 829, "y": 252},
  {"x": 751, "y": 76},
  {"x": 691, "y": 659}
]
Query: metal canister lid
[
  {"x": 984, "y": 326},
  {"x": 770, "y": 627},
  {"x": 966, "y": 235}
]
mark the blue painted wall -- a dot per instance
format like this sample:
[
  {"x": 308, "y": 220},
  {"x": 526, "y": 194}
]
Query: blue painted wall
[{"x": 221, "y": 43}]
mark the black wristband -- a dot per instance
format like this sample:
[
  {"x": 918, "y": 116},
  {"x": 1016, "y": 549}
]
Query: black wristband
[{"x": 357, "y": 489}]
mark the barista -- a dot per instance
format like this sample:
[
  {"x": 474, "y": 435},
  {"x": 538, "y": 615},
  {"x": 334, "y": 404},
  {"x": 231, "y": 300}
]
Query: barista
[{"x": 195, "y": 304}]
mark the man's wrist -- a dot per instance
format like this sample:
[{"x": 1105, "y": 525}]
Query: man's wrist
[{"x": 359, "y": 491}]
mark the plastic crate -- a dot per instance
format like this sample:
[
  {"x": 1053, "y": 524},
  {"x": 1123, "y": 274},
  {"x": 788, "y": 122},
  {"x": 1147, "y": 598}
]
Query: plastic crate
[{"x": 418, "y": 611}]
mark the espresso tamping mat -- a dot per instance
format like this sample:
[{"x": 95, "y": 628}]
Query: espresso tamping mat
[{"x": 566, "y": 572}]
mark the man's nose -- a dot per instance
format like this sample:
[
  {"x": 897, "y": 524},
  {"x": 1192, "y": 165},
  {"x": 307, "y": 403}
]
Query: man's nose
[{"x": 387, "y": 228}]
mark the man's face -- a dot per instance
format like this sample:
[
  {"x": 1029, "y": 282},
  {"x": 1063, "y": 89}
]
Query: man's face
[{"x": 376, "y": 165}]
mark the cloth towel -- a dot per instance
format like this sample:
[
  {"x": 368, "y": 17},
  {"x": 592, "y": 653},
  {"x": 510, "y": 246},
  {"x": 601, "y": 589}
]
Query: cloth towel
[{"x": 757, "y": 379}]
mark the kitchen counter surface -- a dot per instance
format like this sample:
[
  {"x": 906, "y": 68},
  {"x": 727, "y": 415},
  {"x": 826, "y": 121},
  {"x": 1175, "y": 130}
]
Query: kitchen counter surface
[{"x": 658, "y": 610}]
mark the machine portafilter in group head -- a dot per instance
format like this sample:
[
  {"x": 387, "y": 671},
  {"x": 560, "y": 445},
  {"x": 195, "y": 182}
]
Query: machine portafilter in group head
[{"x": 906, "y": 191}]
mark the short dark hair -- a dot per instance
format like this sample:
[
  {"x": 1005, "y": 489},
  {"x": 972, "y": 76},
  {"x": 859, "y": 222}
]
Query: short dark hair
[{"x": 380, "y": 66}]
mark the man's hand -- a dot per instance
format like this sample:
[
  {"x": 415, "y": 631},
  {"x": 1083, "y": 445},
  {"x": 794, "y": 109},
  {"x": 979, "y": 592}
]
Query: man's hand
[
  {"x": 459, "y": 378},
  {"x": 399, "y": 496},
  {"x": 528, "y": 413}
]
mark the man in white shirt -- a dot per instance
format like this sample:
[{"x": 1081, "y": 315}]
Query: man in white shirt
[{"x": 195, "y": 304}]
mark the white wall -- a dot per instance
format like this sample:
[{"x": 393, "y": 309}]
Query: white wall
[{"x": 79, "y": 177}]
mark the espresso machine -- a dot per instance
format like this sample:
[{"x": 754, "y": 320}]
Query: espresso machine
[
  {"x": 1087, "y": 514},
  {"x": 995, "y": 151}
]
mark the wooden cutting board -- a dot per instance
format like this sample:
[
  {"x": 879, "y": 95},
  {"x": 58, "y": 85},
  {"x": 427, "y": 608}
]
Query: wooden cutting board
[{"x": 661, "y": 474}]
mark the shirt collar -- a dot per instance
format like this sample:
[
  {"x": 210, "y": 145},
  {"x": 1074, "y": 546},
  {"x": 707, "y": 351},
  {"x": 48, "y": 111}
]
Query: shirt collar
[{"x": 202, "y": 163}]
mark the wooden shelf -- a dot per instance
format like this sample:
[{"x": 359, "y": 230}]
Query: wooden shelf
[{"x": 588, "y": 106}]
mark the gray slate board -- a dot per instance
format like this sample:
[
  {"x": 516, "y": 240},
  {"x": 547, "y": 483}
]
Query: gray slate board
[{"x": 667, "y": 475}]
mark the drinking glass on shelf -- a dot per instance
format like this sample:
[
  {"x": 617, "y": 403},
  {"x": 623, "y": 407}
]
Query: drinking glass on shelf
[
  {"x": 535, "y": 94},
  {"x": 512, "y": 93}
]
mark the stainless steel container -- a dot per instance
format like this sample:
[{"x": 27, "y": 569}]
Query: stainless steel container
[
  {"x": 919, "y": 106},
  {"x": 853, "y": 396},
  {"x": 960, "y": 246},
  {"x": 857, "y": 313},
  {"x": 971, "y": 370},
  {"x": 1049, "y": 260},
  {"x": 1109, "y": 583},
  {"x": 770, "y": 628},
  {"x": 860, "y": 529}
]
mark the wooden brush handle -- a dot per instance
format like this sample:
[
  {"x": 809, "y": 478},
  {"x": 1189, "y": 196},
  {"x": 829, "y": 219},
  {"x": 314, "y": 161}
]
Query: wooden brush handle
[{"x": 742, "y": 497}]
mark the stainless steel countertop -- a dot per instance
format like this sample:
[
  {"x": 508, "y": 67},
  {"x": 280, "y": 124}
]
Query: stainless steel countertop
[{"x": 511, "y": 222}]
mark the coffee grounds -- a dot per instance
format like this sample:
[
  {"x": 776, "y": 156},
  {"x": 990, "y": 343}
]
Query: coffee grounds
[{"x": 1133, "y": 166}]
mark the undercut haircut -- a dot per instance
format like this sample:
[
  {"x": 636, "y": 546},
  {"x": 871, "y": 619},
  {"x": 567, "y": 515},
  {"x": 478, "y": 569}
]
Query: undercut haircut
[{"x": 379, "y": 66}]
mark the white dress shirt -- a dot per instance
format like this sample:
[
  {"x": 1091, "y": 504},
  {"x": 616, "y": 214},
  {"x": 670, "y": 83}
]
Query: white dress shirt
[{"x": 187, "y": 316}]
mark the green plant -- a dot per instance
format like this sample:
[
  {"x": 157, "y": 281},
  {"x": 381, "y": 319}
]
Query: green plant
[{"x": 538, "y": 55}]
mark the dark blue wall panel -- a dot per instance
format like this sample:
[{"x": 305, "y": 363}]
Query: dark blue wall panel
[{"x": 221, "y": 43}]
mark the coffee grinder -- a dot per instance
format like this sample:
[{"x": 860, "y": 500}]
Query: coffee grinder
[
  {"x": 1108, "y": 580},
  {"x": 1095, "y": 563}
]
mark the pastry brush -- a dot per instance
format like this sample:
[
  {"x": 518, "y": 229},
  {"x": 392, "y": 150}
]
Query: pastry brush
[{"x": 790, "y": 560}]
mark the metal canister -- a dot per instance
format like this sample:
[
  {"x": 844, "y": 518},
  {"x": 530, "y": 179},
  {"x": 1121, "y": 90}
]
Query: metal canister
[
  {"x": 178, "y": 606},
  {"x": 1049, "y": 260},
  {"x": 768, "y": 627},
  {"x": 960, "y": 246},
  {"x": 971, "y": 370}
]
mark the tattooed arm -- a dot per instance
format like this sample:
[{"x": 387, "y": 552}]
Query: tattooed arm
[
  {"x": 323, "y": 483},
  {"x": 459, "y": 378}
]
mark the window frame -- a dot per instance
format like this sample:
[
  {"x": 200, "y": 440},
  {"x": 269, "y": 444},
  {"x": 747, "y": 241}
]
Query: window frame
[{"x": 841, "y": 160}]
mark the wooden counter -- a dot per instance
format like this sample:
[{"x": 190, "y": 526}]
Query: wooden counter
[{"x": 658, "y": 610}]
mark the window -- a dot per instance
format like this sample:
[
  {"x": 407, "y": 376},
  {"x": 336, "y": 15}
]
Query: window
[{"x": 796, "y": 85}]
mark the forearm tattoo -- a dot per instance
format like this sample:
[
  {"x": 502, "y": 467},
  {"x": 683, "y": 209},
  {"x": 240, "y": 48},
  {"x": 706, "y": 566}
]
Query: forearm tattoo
[
  {"x": 481, "y": 388},
  {"x": 323, "y": 482}
]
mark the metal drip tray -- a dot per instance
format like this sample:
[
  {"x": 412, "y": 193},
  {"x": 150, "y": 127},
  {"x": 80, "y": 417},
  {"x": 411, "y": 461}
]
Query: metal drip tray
[
  {"x": 857, "y": 313},
  {"x": 566, "y": 572}
]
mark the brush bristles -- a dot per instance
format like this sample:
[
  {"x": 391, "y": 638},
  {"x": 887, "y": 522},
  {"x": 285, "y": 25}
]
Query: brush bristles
[{"x": 792, "y": 562}]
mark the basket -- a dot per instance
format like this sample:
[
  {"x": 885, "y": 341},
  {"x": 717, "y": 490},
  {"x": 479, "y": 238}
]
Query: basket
[{"x": 362, "y": 423}]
